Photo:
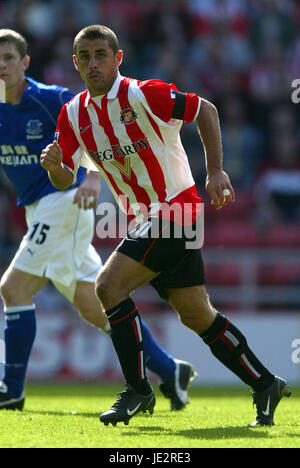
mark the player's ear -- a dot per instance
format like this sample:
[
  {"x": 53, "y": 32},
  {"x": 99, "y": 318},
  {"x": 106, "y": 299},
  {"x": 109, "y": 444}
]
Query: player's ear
[
  {"x": 75, "y": 62},
  {"x": 26, "y": 62},
  {"x": 119, "y": 58}
]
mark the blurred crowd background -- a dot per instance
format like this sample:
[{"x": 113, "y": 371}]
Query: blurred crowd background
[{"x": 244, "y": 57}]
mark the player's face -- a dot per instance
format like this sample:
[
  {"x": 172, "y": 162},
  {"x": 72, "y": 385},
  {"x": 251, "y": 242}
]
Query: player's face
[
  {"x": 97, "y": 65},
  {"x": 12, "y": 66}
]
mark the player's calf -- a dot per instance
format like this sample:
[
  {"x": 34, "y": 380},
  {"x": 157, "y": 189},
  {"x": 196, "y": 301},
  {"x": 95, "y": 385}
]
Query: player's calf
[{"x": 230, "y": 347}]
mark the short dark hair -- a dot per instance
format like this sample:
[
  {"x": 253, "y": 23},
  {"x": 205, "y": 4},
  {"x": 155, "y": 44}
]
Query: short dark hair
[
  {"x": 13, "y": 37},
  {"x": 97, "y": 31}
]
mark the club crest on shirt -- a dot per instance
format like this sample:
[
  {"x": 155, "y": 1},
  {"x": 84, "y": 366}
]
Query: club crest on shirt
[
  {"x": 128, "y": 115},
  {"x": 34, "y": 130}
]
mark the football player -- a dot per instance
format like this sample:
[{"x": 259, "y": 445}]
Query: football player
[
  {"x": 57, "y": 246},
  {"x": 129, "y": 129}
]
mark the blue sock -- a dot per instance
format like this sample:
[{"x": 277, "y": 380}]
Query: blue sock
[
  {"x": 156, "y": 358},
  {"x": 19, "y": 335}
]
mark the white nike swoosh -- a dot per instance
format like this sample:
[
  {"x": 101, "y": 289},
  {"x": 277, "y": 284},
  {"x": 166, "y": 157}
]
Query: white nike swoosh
[
  {"x": 130, "y": 413},
  {"x": 85, "y": 128},
  {"x": 267, "y": 412}
]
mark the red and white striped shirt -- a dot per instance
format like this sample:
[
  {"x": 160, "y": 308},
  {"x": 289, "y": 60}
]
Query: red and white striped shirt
[{"x": 131, "y": 135}]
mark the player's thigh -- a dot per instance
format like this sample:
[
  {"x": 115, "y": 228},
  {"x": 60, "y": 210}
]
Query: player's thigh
[
  {"x": 19, "y": 287},
  {"x": 120, "y": 276},
  {"x": 193, "y": 306}
]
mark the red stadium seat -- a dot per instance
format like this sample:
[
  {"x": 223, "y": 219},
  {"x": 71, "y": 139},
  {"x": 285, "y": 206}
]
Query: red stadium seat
[
  {"x": 240, "y": 210},
  {"x": 224, "y": 275},
  {"x": 211, "y": 238},
  {"x": 279, "y": 275},
  {"x": 283, "y": 235},
  {"x": 237, "y": 234}
]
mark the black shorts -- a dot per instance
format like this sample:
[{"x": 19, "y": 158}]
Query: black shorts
[{"x": 179, "y": 266}]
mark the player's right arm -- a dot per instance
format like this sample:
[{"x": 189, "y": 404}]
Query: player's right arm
[
  {"x": 52, "y": 160},
  {"x": 59, "y": 157}
]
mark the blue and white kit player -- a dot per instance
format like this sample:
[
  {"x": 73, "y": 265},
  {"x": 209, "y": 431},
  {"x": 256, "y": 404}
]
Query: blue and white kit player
[{"x": 57, "y": 246}]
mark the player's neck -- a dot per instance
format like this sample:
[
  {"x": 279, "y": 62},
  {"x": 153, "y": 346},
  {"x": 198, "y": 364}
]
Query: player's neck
[{"x": 15, "y": 93}]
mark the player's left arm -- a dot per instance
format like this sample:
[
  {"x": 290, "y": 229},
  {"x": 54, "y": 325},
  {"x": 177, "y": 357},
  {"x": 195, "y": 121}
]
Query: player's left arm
[
  {"x": 87, "y": 194},
  {"x": 217, "y": 180},
  {"x": 169, "y": 104}
]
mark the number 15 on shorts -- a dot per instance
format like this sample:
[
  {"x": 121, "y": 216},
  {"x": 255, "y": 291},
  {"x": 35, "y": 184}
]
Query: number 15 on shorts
[{"x": 39, "y": 233}]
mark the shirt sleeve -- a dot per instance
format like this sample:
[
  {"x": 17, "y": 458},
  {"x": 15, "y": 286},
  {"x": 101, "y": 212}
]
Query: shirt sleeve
[
  {"x": 74, "y": 155},
  {"x": 166, "y": 102},
  {"x": 66, "y": 138}
]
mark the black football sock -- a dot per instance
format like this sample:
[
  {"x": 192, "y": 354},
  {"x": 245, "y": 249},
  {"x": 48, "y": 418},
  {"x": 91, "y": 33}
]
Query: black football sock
[
  {"x": 126, "y": 334},
  {"x": 230, "y": 347}
]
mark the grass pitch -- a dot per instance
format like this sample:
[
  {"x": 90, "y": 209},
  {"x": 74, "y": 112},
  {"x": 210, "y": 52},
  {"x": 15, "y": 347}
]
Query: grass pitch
[{"x": 66, "y": 416}]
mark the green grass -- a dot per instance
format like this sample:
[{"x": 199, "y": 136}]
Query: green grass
[{"x": 67, "y": 416}]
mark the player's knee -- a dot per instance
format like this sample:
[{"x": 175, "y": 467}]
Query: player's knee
[
  {"x": 189, "y": 321},
  {"x": 109, "y": 293},
  {"x": 104, "y": 290},
  {"x": 195, "y": 324},
  {"x": 100, "y": 288},
  {"x": 12, "y": 293},
  {"x": 199, "y": 320},
  {"x": 6, "y": 289}
]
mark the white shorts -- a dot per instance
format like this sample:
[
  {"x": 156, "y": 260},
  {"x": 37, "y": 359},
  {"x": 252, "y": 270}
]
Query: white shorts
[{"x": 57, "y": 244}]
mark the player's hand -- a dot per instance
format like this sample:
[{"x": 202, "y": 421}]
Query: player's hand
[
  {"x": 87, "y": 194},
  {"x": 219, "y": 189},
  {"x": 51, "y": 157}
]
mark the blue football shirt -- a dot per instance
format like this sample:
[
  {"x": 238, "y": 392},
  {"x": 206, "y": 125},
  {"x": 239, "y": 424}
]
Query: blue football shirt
[{"x": 25, "y": 130}]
